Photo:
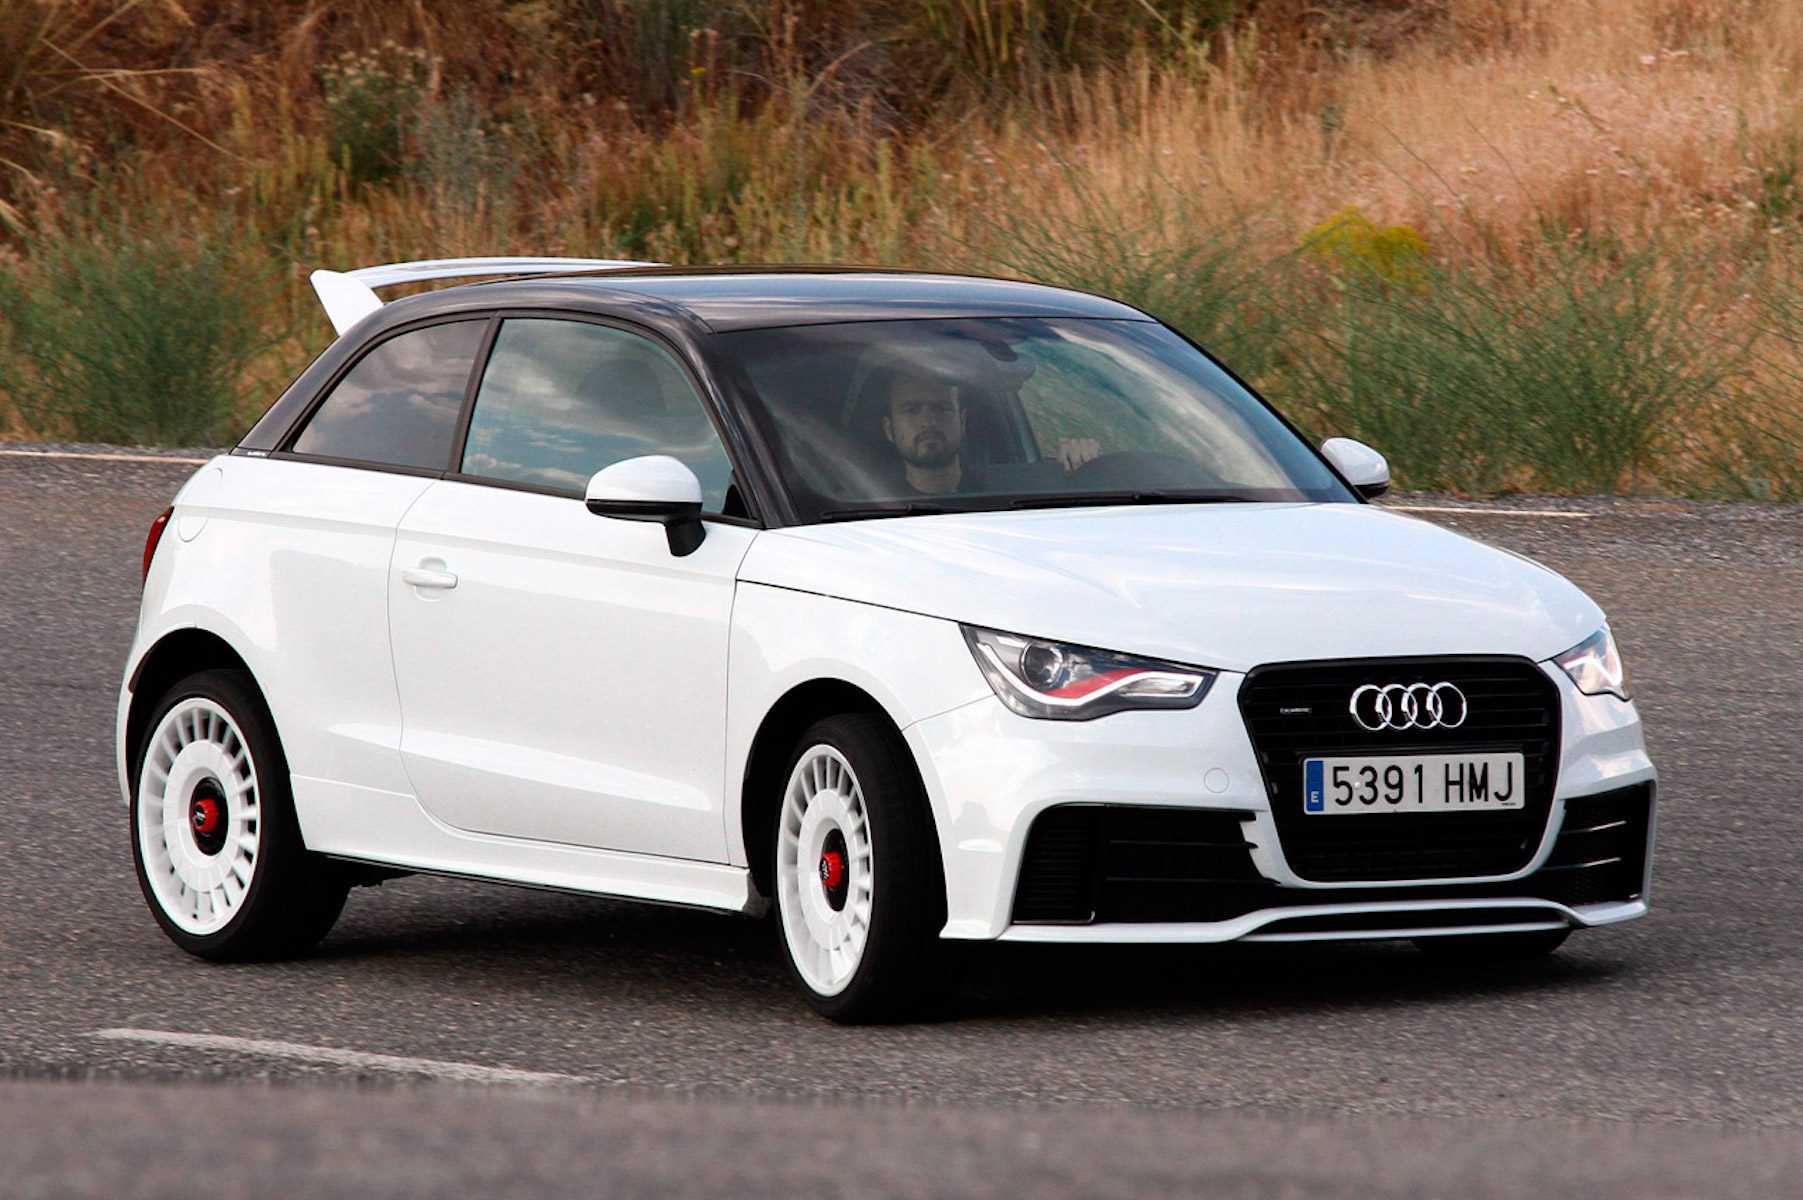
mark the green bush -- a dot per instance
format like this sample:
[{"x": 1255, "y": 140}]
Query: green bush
[
  {"x": 459, "y": 153},
  {"x": 1025, "y": 42},
  {"x": 1157, "y": 252},
  {"x": 371, "y": 103},
  {"x": 1578, "y": 377},
  {"x": 128, "y": 331}
]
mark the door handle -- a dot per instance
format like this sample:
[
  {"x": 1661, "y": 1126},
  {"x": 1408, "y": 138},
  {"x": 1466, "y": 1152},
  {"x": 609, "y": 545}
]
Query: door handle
[{"x": 426, "y": 577}]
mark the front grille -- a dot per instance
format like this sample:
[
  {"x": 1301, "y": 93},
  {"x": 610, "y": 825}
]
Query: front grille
[
  {"x": 1103, "y": 863},
  {"x": 1297, "y": 711}
]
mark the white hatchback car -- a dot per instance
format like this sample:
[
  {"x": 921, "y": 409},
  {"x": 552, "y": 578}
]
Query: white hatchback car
[{"x": 929, "y": 610}]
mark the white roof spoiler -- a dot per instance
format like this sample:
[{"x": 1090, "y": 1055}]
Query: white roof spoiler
[{"x": 349, "y": 296}]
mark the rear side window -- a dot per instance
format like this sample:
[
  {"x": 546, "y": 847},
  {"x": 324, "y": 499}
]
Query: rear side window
[
  {"x": 562, "y": 399},
  {"x": 399, "y": 405}
]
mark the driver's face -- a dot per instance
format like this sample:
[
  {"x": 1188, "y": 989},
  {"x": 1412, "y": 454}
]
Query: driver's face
[{"x": 924, "y": 422}]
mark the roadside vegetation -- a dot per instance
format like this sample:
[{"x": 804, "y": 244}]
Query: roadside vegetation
[{"x": 1516, "y": 244}]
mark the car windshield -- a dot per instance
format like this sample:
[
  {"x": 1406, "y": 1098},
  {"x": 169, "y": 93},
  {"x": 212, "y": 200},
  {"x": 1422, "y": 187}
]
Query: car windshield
[{"x": 881, "y": 418}]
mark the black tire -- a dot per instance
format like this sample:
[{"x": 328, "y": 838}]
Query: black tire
[
  {"x": 905, "y": 971},
  {"x": 293, "y": 897},
  {"x": 1479, "y": 948}
]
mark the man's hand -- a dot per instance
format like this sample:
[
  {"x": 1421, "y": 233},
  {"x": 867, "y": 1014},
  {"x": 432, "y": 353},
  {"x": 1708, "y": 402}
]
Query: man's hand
[{"x": 1074, "y": 452}]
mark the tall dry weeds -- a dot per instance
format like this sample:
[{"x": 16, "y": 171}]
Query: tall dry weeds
[{"x": 1177, "y": 152}]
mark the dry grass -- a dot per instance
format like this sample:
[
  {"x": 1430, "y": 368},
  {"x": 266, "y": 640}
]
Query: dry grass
[
  {"x": 1196, "y": 142},
  {"x": 1595, "y": 117}
]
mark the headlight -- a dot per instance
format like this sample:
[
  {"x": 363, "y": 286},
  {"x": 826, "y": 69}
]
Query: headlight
[
  {"x": 1595, "y": 665},
  {"x": 1037, "y": 678}
]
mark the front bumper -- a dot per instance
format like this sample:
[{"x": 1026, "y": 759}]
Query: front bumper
[{"x": 991, "y": 775}]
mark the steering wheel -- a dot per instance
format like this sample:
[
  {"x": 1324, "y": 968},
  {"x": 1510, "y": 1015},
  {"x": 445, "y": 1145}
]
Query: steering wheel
[{"x": 1144, "y": 470}]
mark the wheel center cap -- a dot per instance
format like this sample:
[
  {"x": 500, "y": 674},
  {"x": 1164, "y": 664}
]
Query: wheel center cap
[
  {"x": 835, "y": 871},
  {"x": 206, "y": 815},
  {"x": 206, "y": 818}
]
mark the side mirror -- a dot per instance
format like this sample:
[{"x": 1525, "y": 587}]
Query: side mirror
[
  {"x": 653, "y": 488},
  {"x": 1363, "y": 467}
]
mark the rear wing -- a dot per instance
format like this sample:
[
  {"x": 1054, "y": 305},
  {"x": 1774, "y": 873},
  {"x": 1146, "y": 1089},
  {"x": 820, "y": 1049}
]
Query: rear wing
[{"x": 349, "y": 296}]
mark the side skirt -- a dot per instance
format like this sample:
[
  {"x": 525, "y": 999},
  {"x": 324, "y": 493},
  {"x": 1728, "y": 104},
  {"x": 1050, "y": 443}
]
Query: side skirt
[{"x": 390, "y": 829}]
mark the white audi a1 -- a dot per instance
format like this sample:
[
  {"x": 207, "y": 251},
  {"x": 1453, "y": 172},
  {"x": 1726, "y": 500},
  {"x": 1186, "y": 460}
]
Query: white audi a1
[{"x": 926, "y": 610}]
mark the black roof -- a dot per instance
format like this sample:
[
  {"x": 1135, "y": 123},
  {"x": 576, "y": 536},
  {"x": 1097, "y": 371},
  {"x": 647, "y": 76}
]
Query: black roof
[
  {"x": 732, "y": 298},
  {"x": 687, "y": 304}
]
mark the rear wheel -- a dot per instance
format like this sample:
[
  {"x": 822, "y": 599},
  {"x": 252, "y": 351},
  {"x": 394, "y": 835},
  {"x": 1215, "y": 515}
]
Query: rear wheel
[
  {"x": 1493, "y": 947},
  {"x": 860, "y": 893},
  {"x": 218, "y": 850}
]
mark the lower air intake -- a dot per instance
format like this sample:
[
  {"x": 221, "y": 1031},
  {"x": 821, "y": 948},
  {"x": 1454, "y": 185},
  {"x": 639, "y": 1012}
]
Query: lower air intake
[{"x": 1103, "y": 863}]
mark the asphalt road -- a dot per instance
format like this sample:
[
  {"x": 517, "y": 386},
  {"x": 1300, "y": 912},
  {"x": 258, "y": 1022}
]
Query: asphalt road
[{"x": 667, "y": 1056}]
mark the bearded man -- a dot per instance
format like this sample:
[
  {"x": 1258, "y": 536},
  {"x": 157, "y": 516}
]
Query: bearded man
[{"x": 925, "y": 424}]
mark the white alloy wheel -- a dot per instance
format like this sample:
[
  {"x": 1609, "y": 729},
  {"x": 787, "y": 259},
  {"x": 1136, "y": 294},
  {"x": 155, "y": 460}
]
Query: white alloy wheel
[
  {"x": 824, "y": 870},
  {"x": 199, "y": 824}
]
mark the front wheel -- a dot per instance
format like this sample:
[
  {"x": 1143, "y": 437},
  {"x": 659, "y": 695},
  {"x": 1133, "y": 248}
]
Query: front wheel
[
  {"x": 860, "y": 893},
  {"x": 214, "y": 837}
]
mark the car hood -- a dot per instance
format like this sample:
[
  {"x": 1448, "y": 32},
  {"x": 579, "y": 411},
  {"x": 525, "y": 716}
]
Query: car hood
[{"x": 1221, "y": 585}]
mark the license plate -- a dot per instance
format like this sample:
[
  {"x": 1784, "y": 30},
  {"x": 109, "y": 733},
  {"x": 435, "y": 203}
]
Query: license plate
[{"x": 1413, "y": 783}]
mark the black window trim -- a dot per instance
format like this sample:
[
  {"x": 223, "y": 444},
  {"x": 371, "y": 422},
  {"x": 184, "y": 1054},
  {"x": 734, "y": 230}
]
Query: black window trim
[
  {"x": 284, "y": 448},
  {"x": 453, "y": 472},
  {"x": 466, "y": 410}
]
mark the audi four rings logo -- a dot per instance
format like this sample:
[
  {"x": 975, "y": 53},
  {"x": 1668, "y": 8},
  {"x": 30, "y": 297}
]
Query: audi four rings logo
[{"x": 1409, "y": 706}]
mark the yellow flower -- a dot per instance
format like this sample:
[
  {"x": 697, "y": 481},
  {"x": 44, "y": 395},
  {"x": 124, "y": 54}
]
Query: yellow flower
[{"x": 1350, "y": 243}]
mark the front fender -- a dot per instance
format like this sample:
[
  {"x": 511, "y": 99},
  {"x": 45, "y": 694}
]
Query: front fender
[{"x": 914, "y": 667}]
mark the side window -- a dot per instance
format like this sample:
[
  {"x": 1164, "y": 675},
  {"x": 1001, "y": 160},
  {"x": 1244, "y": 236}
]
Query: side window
[
  {"x": 562, "y": 399},
  {"x": 398, "y": 406}
]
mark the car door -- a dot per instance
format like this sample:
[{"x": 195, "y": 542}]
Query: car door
[
  {"x": 563, "y": 675},
  {"x": 304, "y": 540}
]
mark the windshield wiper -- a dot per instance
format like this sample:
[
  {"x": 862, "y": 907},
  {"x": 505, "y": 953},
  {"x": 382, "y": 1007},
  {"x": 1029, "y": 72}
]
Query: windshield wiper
[
  {"x": 907, "y": 508},
  {"x": 920, "y": 508},
  {"x": 1080, "y": 499}
]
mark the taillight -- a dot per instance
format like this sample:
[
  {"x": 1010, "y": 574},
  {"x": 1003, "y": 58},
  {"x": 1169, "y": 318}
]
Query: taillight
[{"x": 156, "y": 535}]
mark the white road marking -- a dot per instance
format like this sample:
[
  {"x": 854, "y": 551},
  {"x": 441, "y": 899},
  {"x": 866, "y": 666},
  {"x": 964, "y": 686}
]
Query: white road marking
[
  {"x": 1565, "y": 513},
  {"x": 454, "y": 1071},
  {"x": 131, "y": 458}
]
